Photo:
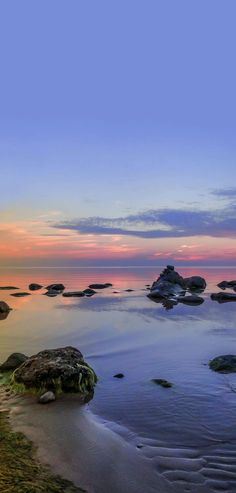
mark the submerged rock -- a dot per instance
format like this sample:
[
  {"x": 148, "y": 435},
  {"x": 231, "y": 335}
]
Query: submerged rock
[
  {"x": 224, "y": 364},
  {"x": 195, "y": 283},
  {"x": 34, "y": 286},
  {"x": 162, "y": 382},
  {"x": 55, "y": 287},
  {"x": 4, "y": 307},
  {"x": 77, "y": 294},
  {"x": 100, "y": 286},
  {"x": 13, "y": 361},
  {"x": 20, "y": 295},
  {"x": 119, "y": 375},
  {"x": 223, "y": 297},
  {"x": 57, "y": 370},
  {"x": 227, "y": 284},
  {"x": 47, "y": 397},
  {"x": 51, "y": 293},
  {"x": 129, "y": 290}
]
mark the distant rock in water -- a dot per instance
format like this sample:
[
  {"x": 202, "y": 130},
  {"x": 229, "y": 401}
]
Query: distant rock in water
[
  {"x": 168, "y": 284},
  {"x": 129, "y": 290},
  {"x": 224, "y": 364},
  {"x": 223, "y": 297},
  {"x": 118, "y": 375},
  {"x": 52, "y": 293},
  {"x": 35, "y": 287},
  {"x": 227, "y": 284},
  {"x": 195, "y": 283},
  {"x": 100, "y": 286},
  {"x": 191, "y": 300},
  {"x": 4, "y": 307},
  {"x": 57, "y": 370},
  {"x": 77, "y": 294},
  {"x": 20, "y": 295},
  {"x": 8, "y": 288},
  {"x": 162, "y": 382},
  {"x": 56, "y": 287},
  {"x": 13, "y": 362},
  {"x": 89, "y": 292}
]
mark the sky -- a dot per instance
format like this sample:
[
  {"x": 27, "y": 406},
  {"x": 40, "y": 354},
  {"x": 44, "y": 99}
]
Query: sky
[{"x": 117, "y": 132}]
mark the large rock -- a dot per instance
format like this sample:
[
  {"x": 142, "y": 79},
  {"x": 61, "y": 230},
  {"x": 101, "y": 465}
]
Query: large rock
[
  {"x": 13, "y": 361},
  {"x": 224, "y": 364},
  {"x": 195, "y": 283},
  {"x": 4, "y": 307},
  {"x": 57, "y": 370},
  {"x": 168, "y": 284},
  {"x": 191, "y": 300},
  {"x": 34, "y": 286}
]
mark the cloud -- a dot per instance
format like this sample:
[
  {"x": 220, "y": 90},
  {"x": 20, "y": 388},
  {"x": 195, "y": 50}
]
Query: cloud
[
  {"x": 225, "y": 193},
  {"x": 160, "y": 223}
]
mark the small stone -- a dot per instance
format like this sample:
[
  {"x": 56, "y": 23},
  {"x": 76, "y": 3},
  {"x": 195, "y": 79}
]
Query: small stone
[
  {"x": 4, "y": 307},
  {"x": 89, "y": 292},
  {"x": 77, "y": 294},
  {"x": 129, "y": 290},
  {"x": 19, "y": 295},
  {"x": 8, "y": 287},
  {"x": 118, "y": 375},
  {"x": 162, "y": 383},
  {"x": 47, "y": 397},
  {"x": 34, "y": 286},
  {"x": 100, "y": 286},
  {"x": 56, "y": 287}
]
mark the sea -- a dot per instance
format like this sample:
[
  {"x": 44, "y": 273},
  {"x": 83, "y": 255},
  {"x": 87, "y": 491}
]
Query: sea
[{"x": 187, "y": 431}]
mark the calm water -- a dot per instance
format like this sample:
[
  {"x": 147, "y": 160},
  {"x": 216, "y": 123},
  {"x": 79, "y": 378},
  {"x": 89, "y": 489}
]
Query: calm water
[{"x": 188, "y": 431}]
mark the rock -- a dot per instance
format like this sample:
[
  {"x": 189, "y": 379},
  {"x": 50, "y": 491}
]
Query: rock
[
  {"x": 51, "y": 293},
  {"x": 47, "y": 397},
  {"x": 118, "y": 375},
  {"x": 162, "y": 383},
  {"x": 8, "y": 287},
  {"x": 20, "y": 295},
  {"x": 13, "y": 361},
  {"x": 34, "y": 286},
  {"x": 190, "y": 300},
  {"x": 77, "y": 294},
  {"x": 195, "y": 283},
  {"x": 4, "y": 307},
  {"x": 129, "y": 290},
  {"x": 57, "y": 370},
  {"x": 223, "y": 297},
  {"x": 100, "y": 286},
  {"x": 169, "y": 284},
  {"x": 89, "y": 292},
  {"x": 224, "y": 364},
  {"x": 55, "y": 287},
  {"x": 227, "y": 284}
]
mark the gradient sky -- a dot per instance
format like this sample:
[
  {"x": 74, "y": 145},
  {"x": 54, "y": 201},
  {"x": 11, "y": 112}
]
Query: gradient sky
[{"x": 118, "y": 125}]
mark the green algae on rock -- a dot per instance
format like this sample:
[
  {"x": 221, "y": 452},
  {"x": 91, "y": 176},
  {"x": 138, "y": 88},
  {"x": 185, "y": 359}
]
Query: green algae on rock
[{"x": 58, "y": 370}]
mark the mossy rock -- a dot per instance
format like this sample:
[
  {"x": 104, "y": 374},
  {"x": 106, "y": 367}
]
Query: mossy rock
[
  {"x": 57, "y": 370},
  {"x": 224, "y": 364},
  {"x": 162, "y": 382}
]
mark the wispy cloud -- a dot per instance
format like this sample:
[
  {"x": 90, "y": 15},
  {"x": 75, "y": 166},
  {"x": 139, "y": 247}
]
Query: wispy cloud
[{"x": 160, "y": 223}]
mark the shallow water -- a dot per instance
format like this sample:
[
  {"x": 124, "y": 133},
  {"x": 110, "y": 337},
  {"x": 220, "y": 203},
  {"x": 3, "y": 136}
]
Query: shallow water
[{"x": 188, "y": 432}]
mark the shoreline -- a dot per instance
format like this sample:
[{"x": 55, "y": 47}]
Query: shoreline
[{"x": 69, "y": 441}]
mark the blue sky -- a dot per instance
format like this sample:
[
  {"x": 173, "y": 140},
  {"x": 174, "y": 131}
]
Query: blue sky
[{"x": 112, "y": 109}]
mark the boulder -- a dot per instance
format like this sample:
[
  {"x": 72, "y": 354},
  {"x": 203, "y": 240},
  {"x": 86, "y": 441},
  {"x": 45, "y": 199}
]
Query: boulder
[
  {"x": 34, "y": 286},
  {"x": 55, "y": 287},
  {"x": 100, "y": 286},
  {"x": 223, "y": 297},
  {"x": 47, "y": 397},
  {"x": 224, "y": 364},
  {"x": 195, "y": 283},
  {"x": 20, "y": 295},
  {"x": 57, "y": 370},
  {"x": 227, "y": 284},
  {"x": 77, "y": 294},
  {"x": 4, "y": 307},
  {"x": 169, "y": 284},
  {"x": 13, "y": 361}
]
